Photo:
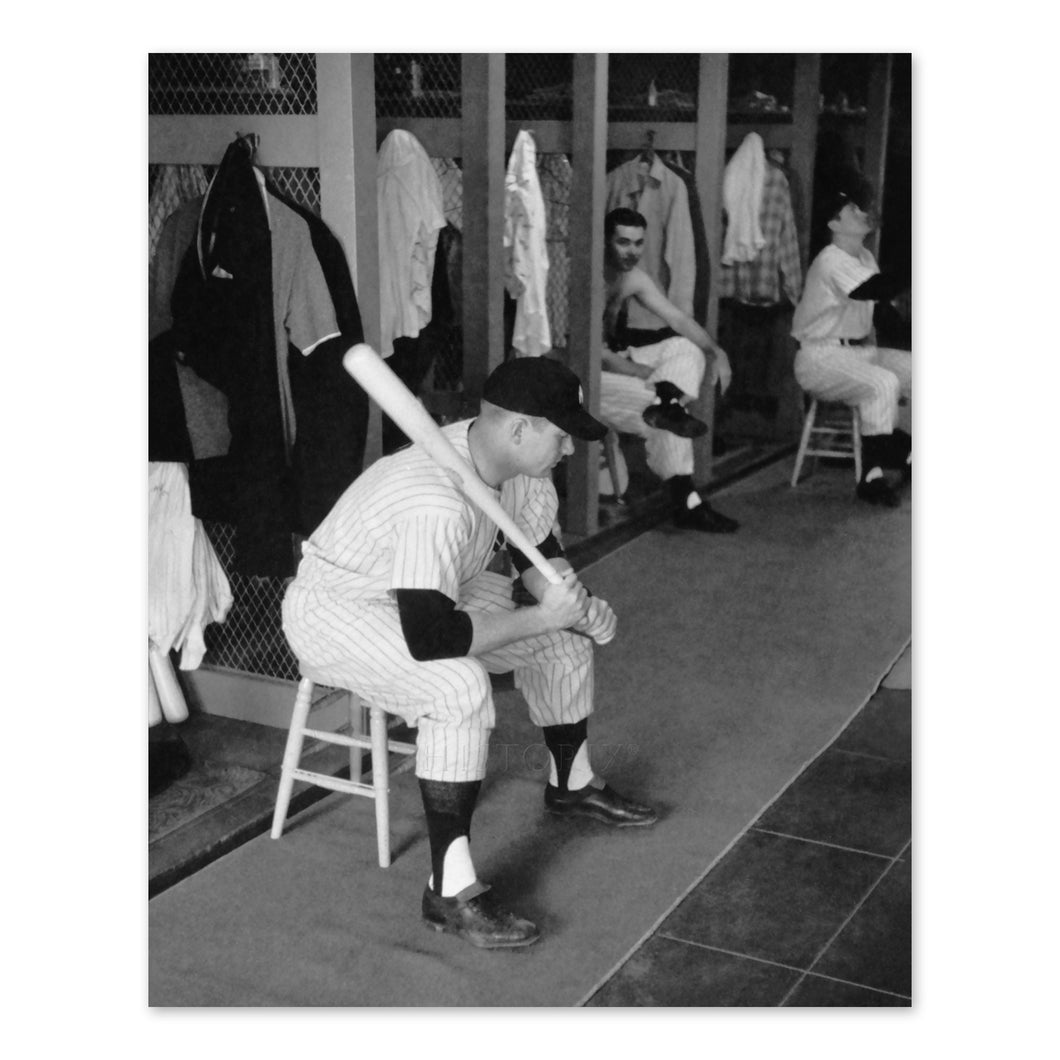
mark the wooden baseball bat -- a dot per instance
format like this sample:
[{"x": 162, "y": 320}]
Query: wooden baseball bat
[
  {"x": 399, "y": 403},
  {"x": 170, "y": 697}
]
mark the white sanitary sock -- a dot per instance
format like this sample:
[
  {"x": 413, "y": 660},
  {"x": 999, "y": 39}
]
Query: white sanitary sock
[{"x": 458, "y": 871}]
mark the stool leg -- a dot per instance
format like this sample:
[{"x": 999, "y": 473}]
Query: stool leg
[
  {"x": 381, "y": 783},
  {"x": 357, "y": 713},
  {"x": 292, "y": 754},
  {"x": 855, "y": 430},
  {"x": 612, "y": 456},
  {"x": 804, "y": 442}
]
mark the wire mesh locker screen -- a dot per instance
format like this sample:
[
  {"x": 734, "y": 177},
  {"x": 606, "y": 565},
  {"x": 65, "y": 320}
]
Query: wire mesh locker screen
[
  {"x": 232, "y": 83},
  {"x": 660, "y": 87},
  {"x": 761, "y": 87},
  {"x": 251, "y": 638},
  {"x": 417, "y": 85},
  {"x": 538, "y": 87}
]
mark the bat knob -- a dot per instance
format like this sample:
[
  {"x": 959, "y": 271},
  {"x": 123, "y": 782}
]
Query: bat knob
[{"x": 355, "y": 354}]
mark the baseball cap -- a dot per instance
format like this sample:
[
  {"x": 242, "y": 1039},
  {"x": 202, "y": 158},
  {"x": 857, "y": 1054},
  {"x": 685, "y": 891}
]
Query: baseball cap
[{"x": 540, "y": 386}]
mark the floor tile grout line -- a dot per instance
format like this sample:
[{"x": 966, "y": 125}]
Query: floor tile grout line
[
  {"x": 824, "y": 843},
  {"x": 865, "y": 897},
  {"x": 804, "y": 972},
  {"x": 868, "y": 754}
]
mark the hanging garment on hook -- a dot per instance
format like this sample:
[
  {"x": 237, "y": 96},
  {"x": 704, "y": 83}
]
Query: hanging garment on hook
[
  {"x": 742, "y": 198},
  {"x": 525, "y": 250},
  {"x": 774, "y": 274},
  {"x": 409, "y": 201},
  {"x": 248, "y": 288}
]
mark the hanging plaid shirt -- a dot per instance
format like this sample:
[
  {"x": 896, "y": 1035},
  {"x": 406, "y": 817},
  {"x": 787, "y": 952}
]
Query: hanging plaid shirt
[{"x": 777, "y": 265}]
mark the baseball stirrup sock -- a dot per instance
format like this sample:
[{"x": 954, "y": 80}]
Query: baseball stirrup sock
[
  {"x": 448, "y": 807},
  {"x": 682, "y": 494},
  {"x": 569, "y": 751},
  {"x": 667, "y": 393},
  {"x": 873, "y": 455}
]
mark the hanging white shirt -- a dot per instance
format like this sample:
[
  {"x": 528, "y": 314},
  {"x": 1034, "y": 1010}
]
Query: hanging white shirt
[
  {"x": 187, "y": 588},
  {"x": 410, "y": 218},
  {"x": 741, "y": 192},
  {"x": 525, "y": 252}
]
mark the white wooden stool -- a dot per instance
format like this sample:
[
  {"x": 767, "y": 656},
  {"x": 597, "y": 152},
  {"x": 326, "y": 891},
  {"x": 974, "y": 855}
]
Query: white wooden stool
[
  {"x": 376, "y": 741},
  {"x": 830, "y": 429}
]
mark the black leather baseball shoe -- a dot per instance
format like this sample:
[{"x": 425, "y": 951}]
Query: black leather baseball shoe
[
  {"x": 475, "y": 917},
  {"x": 878, "y": 492},
  {"x": 704, "y": 517},
  {"x": 601, "y": 804},
  {"x": 673, "y": 417}
]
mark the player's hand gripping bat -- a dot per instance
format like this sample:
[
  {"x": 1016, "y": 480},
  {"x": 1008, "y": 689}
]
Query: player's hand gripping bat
[{"x": 398, "y": 402}]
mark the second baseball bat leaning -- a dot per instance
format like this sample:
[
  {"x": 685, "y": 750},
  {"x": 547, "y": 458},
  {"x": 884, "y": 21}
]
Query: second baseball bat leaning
[{"x": 399, "y": 403}]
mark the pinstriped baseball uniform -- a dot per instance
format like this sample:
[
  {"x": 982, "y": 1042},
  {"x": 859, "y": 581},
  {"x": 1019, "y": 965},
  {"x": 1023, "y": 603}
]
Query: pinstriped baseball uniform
[
  {"x": 870, "y": 377},
  {"x": 623, "y": 399},
  {"x": 404, "y": 524}
]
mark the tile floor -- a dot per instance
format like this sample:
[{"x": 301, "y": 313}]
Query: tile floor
[{"x": 812, "y": 906}]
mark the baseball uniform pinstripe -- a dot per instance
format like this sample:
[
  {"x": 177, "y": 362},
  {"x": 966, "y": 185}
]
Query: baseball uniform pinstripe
[
  {"x": 623, "y": 399},
  {"x": 870, "y": 377},
  {"x": 405, "y": 524}
]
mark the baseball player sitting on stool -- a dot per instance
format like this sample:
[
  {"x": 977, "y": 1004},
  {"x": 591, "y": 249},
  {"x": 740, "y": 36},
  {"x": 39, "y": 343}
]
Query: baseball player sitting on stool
[
  {"x": 648, "y": 377},
  {"x": 838, "y": 359},
  {"x": 394, "y": 601}
]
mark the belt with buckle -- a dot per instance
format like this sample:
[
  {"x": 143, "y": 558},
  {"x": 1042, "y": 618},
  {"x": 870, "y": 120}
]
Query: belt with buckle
[{"x": 854, "y": 342}]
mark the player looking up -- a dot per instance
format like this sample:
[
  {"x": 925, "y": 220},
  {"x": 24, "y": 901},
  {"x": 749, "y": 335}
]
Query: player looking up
[{"x": 838, "y": 359}]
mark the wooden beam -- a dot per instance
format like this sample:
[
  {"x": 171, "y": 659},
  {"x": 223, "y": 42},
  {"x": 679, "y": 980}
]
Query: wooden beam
[
  {"x": 440, "y": 137},
  {"x": 482, "y": 152},
  {"x": 286, "y": 140},
  {"x": 586, "y": 243},
  {"x": 804, "y": 143}
]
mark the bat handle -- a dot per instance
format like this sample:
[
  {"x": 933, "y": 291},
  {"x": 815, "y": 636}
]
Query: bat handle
[{"x": 546, "y": 569}]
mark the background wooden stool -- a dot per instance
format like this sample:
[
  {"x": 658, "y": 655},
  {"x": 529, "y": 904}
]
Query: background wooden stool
[{"x": 830, "y": 429}]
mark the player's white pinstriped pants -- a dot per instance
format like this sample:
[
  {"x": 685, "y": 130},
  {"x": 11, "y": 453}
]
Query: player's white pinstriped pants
[
  {"x": 870, "y": 377},
  {"x": 449, "y": 700},
  {"x": 623, "y": 399}
]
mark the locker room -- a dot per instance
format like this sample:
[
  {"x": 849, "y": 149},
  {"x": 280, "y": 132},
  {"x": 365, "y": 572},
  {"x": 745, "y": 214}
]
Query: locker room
[{"x": 448, "y": 211}]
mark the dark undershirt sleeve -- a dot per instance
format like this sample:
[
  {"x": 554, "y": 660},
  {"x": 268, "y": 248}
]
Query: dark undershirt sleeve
[
  {"x": 433, "y": 627},
  {"x": 550, "y": 548},
  {"x": 880, "y": 288}
]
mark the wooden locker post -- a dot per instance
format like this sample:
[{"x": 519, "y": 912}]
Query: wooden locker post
[
  {"x": 804, "y": 140},
  {"x": 877, "y": 128},
  {"x": 482, "y": 124},
  {"x": 347, "y": 153},
  {"x": 711, "y": 122},
  {"x": 587, "y": 200}
]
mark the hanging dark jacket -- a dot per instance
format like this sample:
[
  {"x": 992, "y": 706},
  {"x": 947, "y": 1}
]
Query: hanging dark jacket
[{"x": 223, "y": 325}]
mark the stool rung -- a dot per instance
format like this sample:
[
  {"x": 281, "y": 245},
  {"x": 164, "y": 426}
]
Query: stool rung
[
  {"x": 340, "y": 738},
  {"x": 322, "y": 780}
]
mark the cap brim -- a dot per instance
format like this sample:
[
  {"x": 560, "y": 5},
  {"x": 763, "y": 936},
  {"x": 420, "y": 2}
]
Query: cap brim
[{"x": 580, "y": 424}]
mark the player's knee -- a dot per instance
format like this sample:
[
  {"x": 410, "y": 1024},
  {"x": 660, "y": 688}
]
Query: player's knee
[{"x": 888, "y": 388}]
